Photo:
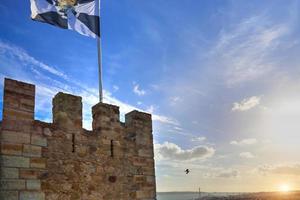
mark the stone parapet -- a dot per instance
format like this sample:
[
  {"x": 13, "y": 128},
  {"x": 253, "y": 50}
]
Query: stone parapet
[{"x": 63, "y": 161}]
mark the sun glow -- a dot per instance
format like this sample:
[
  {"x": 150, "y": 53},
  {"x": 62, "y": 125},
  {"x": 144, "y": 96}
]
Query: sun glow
[{"x": 284, "y": 188}]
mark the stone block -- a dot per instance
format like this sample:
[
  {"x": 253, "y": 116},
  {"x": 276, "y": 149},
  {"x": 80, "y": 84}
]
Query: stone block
[
  {"x": 11, "y": 149},
  {"x": 47, "y": 132},
  {"x": 9, "y": 195},
  {"x": 32, "y": 151},
  {"x": 146, "y": 153},
  {"x": 139, "y": 161},
  {"x": 39, "y": 140},
  {"x": 142, "y": 140},
  {"x": 19, "y": 87},
  {"x": 11, "y": 102},
  {"x": 30, "y": 195},
  {"x": 11, "y": 184},
  {"x": 9, "y": 173},
  {"x": 17, "y": 115},
  {"x": 27, "y": 104},
  {"x": 17, "y": 126},
  {"x": 15, "y": 137},
  {"x": 139, "y": 178},
  {"x": 33, "y": 184},
  {"x": 142, "y": 194},
  {"x": 150, "y": 179},
  {"x": 14, "y": 161},
  {"x": 29, "y": 174},
  {"x": 38, "y": 163},
  {"x": 81, "y": 151},
  {"x": 36, "y": 129}
]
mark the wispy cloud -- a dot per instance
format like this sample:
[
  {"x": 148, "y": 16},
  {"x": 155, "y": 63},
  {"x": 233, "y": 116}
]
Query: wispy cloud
[
  {"x": 198, "y": 139},
  {"x": 138, "y": 91},
  {"x": 246, "y": 50},
  {"x": 225, "y": 173},
  {"x": 125, "y": 108},
  {"x": 175, "y": 100},
  {"x": 229, "y": 173},
  {"x": 247, "y": 155},
  {"x": 47, "y": 87},
  {"x": 150, "y": 109},
  {"x": 283, "y": 169},
  {"x": 16, "y": 52},
  {"x": 244, "y": 142},
  {"x": 116, "y": 88},
  {"x": 246, "y": 104}
]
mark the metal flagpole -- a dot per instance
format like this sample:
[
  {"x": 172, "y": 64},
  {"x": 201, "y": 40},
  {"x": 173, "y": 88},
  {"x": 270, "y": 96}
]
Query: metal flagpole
[{"x": 100, "y": 59}]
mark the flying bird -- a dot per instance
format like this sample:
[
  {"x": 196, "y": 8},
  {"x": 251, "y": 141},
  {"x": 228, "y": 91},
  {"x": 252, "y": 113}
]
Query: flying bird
[{"x": 187, "y": 171}]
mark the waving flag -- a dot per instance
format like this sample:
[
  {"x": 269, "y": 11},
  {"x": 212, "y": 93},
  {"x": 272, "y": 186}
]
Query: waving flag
[{"x": 78, "y": 15}]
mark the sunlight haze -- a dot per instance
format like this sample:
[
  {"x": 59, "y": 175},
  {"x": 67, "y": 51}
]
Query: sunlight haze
[{"x": 220, "y": 78}]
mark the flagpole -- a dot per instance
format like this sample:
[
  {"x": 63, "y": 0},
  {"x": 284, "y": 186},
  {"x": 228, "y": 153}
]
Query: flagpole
[
  {"x": 100, "y": 69},
  {"x": 100, "y": 59}
]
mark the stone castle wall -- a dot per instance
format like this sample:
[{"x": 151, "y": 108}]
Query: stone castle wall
[{"x": 63, "y": 161}]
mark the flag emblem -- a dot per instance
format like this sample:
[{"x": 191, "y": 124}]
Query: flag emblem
[
  {"x": 64, "y": 6},
  {"x": 66, "y": 3},
  {"x": 78, "y": 15}
]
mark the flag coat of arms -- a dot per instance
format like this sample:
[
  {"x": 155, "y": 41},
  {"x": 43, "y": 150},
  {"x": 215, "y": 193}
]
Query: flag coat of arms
[{"x": 78, "y": 15}]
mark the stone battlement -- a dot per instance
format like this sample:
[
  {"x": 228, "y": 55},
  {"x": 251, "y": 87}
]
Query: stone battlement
[{"x": 63, "y": 161}]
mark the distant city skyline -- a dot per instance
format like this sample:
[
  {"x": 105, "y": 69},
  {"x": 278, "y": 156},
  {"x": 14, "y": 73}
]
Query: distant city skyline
[{"x": 221, "y": 79}]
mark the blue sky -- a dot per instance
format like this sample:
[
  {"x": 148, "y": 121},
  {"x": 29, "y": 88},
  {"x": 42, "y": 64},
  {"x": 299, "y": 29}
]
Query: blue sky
[{"x": 221, "y": 78}]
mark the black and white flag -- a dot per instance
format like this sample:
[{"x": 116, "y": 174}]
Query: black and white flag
[{"x": 78, "y": 15}]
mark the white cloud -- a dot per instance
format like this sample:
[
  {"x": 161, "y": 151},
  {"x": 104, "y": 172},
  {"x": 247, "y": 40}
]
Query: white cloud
[
  {"x": 217, "y": 172},
  {"x": 178, "y": 128},
  {"x": 164, "y": 119},
  {"x": 138, "y": 91},
  {"x": 247, "y": 155},
  {"x": 198, "y": 139},
  {"x": 175, "y": 100},
  {"x": 248, "y": 141},
  {"x": 150, "y": 109},
  {"x": 115, "y": 88},
  {"x": 246, "y": 104},
  {"x": 283, "y": 169},
  {"x": 229, "y": 173},
  {"x": 171, "y": 151}
]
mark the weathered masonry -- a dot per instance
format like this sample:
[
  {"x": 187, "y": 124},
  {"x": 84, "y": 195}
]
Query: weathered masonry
[{"x": 63, "y": 161}]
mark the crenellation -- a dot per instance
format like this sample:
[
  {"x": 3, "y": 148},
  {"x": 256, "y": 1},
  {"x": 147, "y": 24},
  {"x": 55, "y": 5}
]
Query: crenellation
[
  {"x": 61, "y": 160},
  {"x": 105, "y": 117},
  {"x": 67, "y": 111},
  {"x": 18, "y": 101}
]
